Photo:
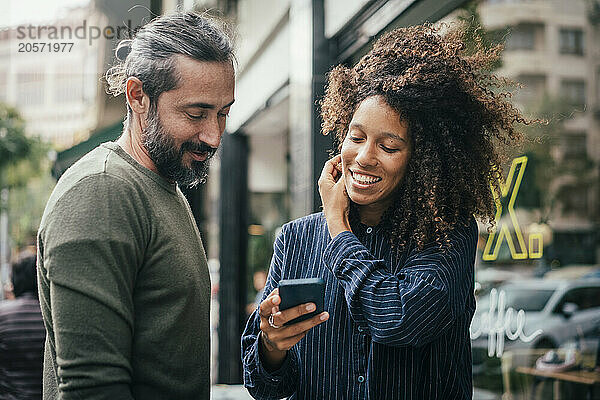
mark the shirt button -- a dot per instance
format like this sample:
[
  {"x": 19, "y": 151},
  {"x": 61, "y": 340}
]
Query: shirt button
[
  {"x": 361, "y": 379},
  {"x": 369, "y": 230}
]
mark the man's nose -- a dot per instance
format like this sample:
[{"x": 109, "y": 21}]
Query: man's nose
[{"x": 212, "y": 132}]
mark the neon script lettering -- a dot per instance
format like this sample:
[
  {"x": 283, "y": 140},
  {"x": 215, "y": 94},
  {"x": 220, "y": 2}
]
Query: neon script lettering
[{"x": 497, "y": 322}]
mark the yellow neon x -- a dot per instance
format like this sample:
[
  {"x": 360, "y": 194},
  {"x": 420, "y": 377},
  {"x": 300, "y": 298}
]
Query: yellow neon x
[{"x": 508, "y": 189}]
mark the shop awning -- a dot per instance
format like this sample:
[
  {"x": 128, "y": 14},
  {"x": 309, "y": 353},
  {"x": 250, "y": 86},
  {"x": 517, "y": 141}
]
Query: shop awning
[{"x": 68, "y": 157}]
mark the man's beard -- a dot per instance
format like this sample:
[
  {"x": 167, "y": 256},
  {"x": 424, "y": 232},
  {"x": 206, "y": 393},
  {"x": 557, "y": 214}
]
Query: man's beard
[{"x": 168, "y": 160}]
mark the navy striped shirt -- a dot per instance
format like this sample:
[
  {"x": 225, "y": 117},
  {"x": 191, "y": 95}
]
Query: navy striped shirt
[
  {"x": 398, "y": 325},
  {"x": 22, "y": 336}
]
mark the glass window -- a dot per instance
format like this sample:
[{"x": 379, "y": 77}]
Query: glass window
[
  {"x": 30, "y": 88},
  {"x": 68, "y": 88},
  {"x": 572, "y": 199},
  {"x": 571, "y": 41},
  {"x": 573, "y": 91},
  {"x": 522, "y": 37},
  {"x": 574, "y": 146},
  {"x": 593, "y": 297},
  {"x": 584, "y": 298},
  {"x": 519, "y": 298},
  {"x": 527, "y": 300},
  {"x": 550, "y": 235},
  {"x": 534, "y": 86}
]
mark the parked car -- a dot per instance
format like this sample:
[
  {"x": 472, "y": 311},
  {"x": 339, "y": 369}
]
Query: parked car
[{"x": 537, "y": 314}]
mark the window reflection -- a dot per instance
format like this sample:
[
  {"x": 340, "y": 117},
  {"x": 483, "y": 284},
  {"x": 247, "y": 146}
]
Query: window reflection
[{"x": 548, "y": 51}]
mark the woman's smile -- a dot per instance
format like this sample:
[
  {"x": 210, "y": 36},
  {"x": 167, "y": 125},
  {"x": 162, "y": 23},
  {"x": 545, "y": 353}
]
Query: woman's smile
[{"x": 364, "y": 180}]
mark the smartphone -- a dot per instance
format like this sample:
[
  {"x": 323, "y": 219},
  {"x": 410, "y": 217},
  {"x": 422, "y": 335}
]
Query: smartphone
[{"x": 294, "y": 292}]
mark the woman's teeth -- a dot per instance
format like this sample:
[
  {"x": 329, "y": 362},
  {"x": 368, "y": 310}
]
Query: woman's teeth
[{"x": 365, "y": 179}]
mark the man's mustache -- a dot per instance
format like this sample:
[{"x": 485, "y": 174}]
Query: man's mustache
[{"x": 198, "y": 148}]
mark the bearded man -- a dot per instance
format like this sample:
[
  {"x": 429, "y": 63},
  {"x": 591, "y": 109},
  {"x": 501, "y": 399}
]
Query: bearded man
[{"x": 123, "y": 277}]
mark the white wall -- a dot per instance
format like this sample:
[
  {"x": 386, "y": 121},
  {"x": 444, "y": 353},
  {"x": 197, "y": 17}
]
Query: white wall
[
  {"x": 256, "y": 21},
  {"x": 267, "y": 169},
  {"x": 262, "y": 78},
  {"x": 338, "y": 12}
]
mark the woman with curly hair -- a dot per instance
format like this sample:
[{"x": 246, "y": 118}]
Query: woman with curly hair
[{"x": 419, "y": 125}]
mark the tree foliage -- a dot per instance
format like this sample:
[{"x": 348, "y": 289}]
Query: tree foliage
[
  {"x": 553, "y": 172},
  {"x": 14, "y": 145},
  {"x": 20, "y": 156},
  {"x": 475, "y": 35},
  {"x": 25, "y": 170}
]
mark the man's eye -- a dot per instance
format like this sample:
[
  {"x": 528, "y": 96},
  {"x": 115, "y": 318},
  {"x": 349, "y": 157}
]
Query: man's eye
[
  {"x": 194, "y": 116},
  {"x": 355, "y": 139}
]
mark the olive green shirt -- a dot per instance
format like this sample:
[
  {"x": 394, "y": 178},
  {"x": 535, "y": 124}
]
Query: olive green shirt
[{"x": 124, "y": 285}]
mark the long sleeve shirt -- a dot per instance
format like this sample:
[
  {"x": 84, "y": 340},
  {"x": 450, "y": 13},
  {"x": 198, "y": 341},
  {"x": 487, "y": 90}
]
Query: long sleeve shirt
[
  {"x": 398, "y": 325},
  {"x": 124, "y": 285}
]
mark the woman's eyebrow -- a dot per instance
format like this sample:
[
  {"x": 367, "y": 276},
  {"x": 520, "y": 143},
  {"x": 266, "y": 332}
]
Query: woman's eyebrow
[
  {"x": 357, "y": 126},
  {"x": 394, "y": 136},
  {"x": 391, "y": 135}
]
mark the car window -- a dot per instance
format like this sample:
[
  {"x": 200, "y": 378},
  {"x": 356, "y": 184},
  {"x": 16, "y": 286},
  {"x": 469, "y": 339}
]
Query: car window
[
  {"x": 593, "y": 297},
  {"x": 520, "y": 299},
  {"x": 584, "y": 298},
  {"x": 527, "y": 300}
]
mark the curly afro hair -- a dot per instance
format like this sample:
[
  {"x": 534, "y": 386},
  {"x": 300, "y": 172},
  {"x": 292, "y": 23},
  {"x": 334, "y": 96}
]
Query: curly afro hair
[{"x": 459, "y": 118}]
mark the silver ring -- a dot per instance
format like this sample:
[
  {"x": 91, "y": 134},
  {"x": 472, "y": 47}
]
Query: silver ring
[{"x": 272, "y": 324}]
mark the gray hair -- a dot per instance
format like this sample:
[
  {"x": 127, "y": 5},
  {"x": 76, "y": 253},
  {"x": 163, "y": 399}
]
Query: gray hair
[{"x": 150, "y": 55}]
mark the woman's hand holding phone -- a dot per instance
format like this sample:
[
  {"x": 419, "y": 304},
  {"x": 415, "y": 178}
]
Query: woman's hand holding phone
[{"x": 275, "y": 338}]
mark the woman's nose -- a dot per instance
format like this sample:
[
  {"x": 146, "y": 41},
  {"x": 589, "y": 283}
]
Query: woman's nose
[{"x": 366, "y": 155}]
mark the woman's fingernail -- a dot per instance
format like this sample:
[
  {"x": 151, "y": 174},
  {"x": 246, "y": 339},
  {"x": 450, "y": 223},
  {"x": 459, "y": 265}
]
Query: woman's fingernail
[
  {"x": 324, "y": 316},
  {"x": 310, "y": 307}
]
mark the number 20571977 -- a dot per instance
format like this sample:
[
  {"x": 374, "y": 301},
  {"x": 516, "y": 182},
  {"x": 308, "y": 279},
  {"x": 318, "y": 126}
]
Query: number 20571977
[{"x": 45, "y": 47}]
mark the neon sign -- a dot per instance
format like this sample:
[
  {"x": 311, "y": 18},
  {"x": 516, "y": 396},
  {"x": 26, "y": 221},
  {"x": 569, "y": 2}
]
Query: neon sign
[
  {"x": 497, "y": 321},
  {"x": 510, "y": 190}
]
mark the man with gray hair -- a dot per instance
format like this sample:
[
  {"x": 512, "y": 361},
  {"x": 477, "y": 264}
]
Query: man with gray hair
[{"x": 123, "y": 277}]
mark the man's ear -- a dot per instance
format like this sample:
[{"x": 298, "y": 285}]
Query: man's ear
[{"x": 136, "y": 98}]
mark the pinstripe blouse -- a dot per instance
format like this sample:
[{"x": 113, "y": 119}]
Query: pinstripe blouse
[{"x": 398, "y": 325}]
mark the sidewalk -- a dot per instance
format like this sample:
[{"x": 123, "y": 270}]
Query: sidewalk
[
  {"x": 237, "y": 392},
  {"x": 229, "y": 392}
]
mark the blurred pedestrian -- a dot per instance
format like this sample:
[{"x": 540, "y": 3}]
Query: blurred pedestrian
[
  {"x": 124, "y": 280},
  {"x": 22, "y": 335},
  {"x": 259, "y": 279}
]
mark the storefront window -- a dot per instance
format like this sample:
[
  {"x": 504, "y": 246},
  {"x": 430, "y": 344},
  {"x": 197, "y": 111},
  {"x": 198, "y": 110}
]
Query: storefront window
[{"x": 536, "y": 329}]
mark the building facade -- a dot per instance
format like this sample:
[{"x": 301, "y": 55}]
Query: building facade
[{"x": 50, "y": 73}]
